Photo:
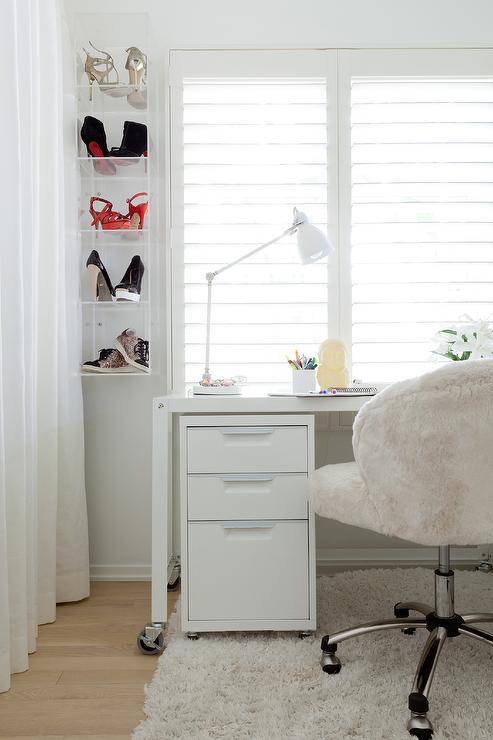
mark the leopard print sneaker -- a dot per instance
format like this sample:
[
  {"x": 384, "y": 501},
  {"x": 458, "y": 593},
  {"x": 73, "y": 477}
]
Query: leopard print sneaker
[
  {"x": 134, "y": 349},
  {"x": 109, "y": 361}
]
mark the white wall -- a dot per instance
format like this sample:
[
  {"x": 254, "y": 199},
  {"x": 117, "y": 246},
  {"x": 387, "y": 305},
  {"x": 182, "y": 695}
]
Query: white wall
[
  {"x": 313, "y": 23},
  {"x": 118, "y": 410}
]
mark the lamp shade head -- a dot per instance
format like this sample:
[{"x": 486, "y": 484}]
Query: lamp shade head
[{"x": 313, "y": 245}]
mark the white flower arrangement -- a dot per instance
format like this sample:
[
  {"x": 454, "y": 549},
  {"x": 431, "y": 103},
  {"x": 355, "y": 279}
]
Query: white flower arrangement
[{"x": 466, "y": 341}]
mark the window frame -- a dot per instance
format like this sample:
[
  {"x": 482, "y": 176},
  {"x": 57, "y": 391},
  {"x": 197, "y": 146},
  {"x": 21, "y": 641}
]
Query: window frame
[{"x": 338, "y": 66}]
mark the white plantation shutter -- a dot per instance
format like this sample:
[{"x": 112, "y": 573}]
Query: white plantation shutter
[
  {"x": 389, "y": 151},
  {"x": 252, "y": 148},
  {"x": 421, "y": 215}
]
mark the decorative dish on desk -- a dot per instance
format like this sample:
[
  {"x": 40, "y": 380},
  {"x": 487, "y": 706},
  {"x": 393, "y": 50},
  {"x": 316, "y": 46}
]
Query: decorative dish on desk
[{"x": 219, "y": 386}]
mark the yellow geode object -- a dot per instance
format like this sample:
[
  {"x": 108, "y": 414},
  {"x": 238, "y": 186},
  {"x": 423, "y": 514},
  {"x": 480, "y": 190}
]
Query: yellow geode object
[{"x": 332, "y": 371}]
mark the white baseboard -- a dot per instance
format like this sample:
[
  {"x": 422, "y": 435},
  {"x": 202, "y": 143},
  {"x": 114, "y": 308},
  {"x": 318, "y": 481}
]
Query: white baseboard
[
  {"x": 120, "y": 572},
  {"x": 389, "y": 556},
  {"x": 375, "y": 557}
]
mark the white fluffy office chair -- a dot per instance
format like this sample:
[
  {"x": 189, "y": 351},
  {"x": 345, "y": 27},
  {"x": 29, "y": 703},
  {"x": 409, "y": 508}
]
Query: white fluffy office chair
[{"x": 424, "y": 463}]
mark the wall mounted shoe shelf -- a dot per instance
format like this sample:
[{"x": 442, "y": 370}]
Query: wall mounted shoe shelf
[{"x": 115, "y": 179}]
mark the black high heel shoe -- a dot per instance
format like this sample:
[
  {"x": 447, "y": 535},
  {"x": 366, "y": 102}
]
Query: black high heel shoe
[
  {"x": 130, "y": 286},
  {"x": 134, "y": 141},
  {"x": 102, "y": 289},
  {"x": 93, "y": 135}
]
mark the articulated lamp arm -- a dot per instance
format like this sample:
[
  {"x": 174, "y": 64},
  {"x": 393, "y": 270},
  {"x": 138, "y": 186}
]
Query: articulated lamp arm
[
  {"x": 206, "y": 377},
  {"x": 312, "y": 246}
]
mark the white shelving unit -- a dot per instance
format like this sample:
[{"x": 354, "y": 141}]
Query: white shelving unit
[{"x": 103, "y": 321}]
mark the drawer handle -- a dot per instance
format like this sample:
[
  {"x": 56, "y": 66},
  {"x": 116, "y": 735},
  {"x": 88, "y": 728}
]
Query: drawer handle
[
  {"x": 245, "y": 476},
  {"x": 246, "y": 430},
  {"x": 249, "y": 525}
]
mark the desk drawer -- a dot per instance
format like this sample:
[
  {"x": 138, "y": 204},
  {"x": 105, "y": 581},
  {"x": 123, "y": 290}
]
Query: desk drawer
[
  {"x": 248, "y": 570},
  {"x": 248, "y": 496},
  {"x": 248, "y": 449}
]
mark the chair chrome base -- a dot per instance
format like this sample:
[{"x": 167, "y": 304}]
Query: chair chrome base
[{"x": 441, "y": 622}]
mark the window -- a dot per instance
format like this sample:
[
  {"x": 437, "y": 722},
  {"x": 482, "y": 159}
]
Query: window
[
  {"x": 389, "y": 152},
  {"x": 253, "y": 147},
  {"x": 422, "y": 216}
]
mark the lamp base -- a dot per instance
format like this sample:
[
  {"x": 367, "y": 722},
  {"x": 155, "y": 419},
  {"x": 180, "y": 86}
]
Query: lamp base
[{"x": 216, "y": 390}]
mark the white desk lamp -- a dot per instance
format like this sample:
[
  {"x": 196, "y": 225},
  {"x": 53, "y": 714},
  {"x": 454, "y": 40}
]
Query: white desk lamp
[{"x": 312, "y": 246}]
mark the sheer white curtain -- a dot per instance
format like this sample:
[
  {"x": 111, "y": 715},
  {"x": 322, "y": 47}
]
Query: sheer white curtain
[{"x": 43, "y": 521}]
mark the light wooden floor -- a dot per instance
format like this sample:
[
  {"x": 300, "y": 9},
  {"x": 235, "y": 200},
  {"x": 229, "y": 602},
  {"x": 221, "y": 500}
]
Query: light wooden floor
[{"x": 87, "y": 677}]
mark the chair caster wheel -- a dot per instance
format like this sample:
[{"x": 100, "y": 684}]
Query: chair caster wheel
[
  {"x": 332, "y": 669},
  {"x": 400, "y": 612},
  {"x": 193, "y": 635},
  {"x": 422, "y": 734},
  {"x": 330, "y": 663},
  {"x": 420, "y": 726},
  {"x": 150, "y": 646},
  {"x": 409, "y": 631}
]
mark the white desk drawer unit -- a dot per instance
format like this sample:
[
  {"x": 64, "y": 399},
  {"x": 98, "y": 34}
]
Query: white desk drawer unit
[
  {"x": 248, "y": 570},
  {"x": 247, "y": 449},
  {"x": 246, "y": 526},
  {"x": 247, "y": 496}
]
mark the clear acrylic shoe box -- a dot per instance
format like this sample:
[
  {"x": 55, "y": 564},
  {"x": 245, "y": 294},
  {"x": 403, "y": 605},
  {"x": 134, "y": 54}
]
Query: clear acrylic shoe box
[{"x": 114, "y": 85}]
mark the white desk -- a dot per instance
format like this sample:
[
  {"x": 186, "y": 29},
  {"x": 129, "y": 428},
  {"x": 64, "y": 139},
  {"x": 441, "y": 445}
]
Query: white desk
[{"x": 168, "y": 407}]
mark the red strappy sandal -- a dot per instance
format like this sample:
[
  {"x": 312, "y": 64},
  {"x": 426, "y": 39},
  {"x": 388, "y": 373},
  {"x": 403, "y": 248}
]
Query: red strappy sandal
[
  {"x": 136, "y": 213},
  {"x": 107, "y": 218}
]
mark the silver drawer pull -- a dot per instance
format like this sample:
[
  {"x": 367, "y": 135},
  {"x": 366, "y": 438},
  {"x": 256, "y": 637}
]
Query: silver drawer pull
[
  {"x": 246, "y": 430},
  {"x": 248, "y": 525},
  {"x": 246, "y": 476}
]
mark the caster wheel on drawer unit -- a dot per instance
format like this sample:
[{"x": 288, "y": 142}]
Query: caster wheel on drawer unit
[
  {"x": 193, "y": 635},
  {"x": 173, "y": 586},
  {"x": 150, "y": 646},
  {"x": 303, "y": 635}
]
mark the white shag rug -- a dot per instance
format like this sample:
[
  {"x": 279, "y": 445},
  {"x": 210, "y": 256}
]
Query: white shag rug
[{"x": 270, "y": 686}]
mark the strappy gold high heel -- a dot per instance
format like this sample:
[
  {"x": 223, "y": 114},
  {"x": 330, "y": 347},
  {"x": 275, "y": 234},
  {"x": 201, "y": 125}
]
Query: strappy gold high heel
[
  {"x": 94, "y": 72},
  {"x": 136, "y": 65}
]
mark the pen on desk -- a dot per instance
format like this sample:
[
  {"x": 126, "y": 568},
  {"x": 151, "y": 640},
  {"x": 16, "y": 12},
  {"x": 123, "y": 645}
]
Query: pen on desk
[{"x": 302, "y": 362}]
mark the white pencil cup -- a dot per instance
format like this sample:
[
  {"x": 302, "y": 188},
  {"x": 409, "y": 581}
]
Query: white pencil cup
[{"x": 304, "y": 381}]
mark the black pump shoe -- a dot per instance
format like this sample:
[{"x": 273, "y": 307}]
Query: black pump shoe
[
  {"x": 131, "y": 283},
  {"x": 134, "y": 141},
  {"x": 93, "y": 135},
  {"x": 102, "y": 289}
]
